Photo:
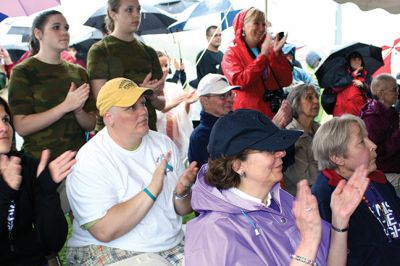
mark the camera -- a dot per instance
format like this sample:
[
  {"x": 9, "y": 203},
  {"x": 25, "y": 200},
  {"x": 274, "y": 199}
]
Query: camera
[
  {"x": 275, "y": 98},
  {"x": 280, "y": 35}
]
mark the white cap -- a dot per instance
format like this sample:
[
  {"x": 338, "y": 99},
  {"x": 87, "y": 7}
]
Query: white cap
[{"x": 214, "y": 84}]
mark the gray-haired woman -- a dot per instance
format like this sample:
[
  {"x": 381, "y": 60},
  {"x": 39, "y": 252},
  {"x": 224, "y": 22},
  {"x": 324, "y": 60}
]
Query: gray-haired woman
[
  {"x": 340, "y": 146},
  {"x": 305, "y": 107}
]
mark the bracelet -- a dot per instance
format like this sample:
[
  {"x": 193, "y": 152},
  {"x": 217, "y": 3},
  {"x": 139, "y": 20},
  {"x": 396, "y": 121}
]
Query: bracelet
[
  {"x": 184, "y": 196},
  {"x": 340, "y": 230},
  {"x": 149, "y": 194},
  {"x": 303, "y": 260}
]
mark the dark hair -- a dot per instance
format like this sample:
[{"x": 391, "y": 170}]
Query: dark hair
[
  {"x": 7, "y": 109},
  {"x": 13, "y": 150},
  {"x": 104, "y": 28},
  {"x": 355, "y": 54},
  {"x": 212, "y": 27},
  {"x": 220, "y": 173},
  {"x": 38, "y": 23},
  {"x": 113, "y": 5}
]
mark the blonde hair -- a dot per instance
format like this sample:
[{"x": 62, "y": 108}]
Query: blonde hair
[
  {"x": 253, "y": 14},
  {"x": 332, "y": 138}
]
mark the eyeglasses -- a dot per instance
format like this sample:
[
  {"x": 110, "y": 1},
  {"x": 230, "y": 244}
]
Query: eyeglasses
[{"x": 224, "y": 96}]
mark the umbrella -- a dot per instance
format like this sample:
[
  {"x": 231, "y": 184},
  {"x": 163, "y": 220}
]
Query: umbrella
[
  {"x": 337, "y": 60},
  {"x": 392, "y": 6},
  {"x": 83, "y": 42},
  {"x": 153, "y": 20},
  {"x": 17, "y": 28},
  {"x": 176, "y": 7},
  {"x": 16, "y": 50},
  {"x": 214, "y": 12},
  {"x": 15, "y": 8},
  {"x": 21, "y": 30},
  {"x": 2, "y": 16},
  {"x": 391, "y": 59}
]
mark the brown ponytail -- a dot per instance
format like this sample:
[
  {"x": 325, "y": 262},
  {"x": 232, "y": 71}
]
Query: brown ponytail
[{"x": 38, "y": 23}]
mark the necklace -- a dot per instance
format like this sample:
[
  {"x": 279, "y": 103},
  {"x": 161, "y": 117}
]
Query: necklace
[{"x": 379, "y": 204}]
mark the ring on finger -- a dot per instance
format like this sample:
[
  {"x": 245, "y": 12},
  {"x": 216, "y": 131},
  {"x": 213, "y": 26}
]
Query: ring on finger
[{"x": 309, "y": 209}]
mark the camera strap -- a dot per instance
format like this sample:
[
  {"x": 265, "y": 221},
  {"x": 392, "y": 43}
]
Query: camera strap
[{"x": 274, "y": 76}]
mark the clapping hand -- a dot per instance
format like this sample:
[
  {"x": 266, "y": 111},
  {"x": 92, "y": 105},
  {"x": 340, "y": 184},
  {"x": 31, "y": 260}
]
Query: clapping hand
[
  {"x": 266, "y": 45},
  {"x": 156, "y": 85},
  {"x": 179, "y": 66},
  {"x": 284, "y": 115},
  {"x": 157, "y": 181},
  {"x": 60, "y": 167},
  {"x": 308, "y": 220},
  {"x": 191, "y": 97},
  {"x": 278, "y": 44},
  {"x": 5, "y": 56},
  {"x": 11, "y": 171},
  {"x": 347, "y": 196},
  {"x": 76, "y": 97},
  {"x": 187, "y": 178}
]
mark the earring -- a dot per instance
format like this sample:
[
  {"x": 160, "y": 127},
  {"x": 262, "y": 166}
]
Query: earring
[
  {"x": 243, "y": 33},
  {"x": 242, "y": 174}
]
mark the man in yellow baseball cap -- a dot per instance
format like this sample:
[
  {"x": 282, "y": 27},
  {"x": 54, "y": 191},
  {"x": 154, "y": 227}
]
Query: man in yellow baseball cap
[
  {"x": 128, "y": 188},
  {"x": 119, "y": 92}
]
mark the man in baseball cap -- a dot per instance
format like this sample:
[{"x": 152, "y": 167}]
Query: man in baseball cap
[
  {"x": 216, "y": 98},
  {"x": 129, "y": 187},
  {"x": 119, "y": 92}
]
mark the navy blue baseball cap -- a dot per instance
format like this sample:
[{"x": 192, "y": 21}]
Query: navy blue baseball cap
[{"x": 248, "y": 129}]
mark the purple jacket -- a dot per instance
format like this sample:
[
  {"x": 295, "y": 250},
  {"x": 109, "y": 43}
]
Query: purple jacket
[
  {"x": 383, "y": 129},
  {"x": 233, "y": 231}
]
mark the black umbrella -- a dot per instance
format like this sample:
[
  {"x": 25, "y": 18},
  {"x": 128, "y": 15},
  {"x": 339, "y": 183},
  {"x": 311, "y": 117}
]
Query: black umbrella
[
  {"x": 153, "y": 20},
  {"x": 372, "y": 57}
]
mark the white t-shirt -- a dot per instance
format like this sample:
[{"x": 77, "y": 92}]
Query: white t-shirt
[{"x": 106, "y": 174}]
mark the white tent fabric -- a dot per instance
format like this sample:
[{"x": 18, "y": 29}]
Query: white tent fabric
[{"x": 392, "y": 6}]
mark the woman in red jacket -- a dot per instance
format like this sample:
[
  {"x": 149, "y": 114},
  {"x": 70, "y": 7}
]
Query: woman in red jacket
[{"x": 256, "y": 63}]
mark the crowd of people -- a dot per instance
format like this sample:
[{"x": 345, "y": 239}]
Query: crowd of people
[{"x": 114, "y": 147}]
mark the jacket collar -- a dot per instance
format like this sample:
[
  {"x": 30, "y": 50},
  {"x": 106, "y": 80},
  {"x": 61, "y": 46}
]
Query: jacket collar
[
  {"x": 334, "y": 178},
  {"x": 207, "y": 119}
]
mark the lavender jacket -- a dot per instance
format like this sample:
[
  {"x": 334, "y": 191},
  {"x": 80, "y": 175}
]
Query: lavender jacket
[{"x": 233, "y": 231}]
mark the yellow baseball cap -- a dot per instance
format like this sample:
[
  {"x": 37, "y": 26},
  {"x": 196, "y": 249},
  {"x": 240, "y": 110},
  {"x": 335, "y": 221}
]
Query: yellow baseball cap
[{"x": 119, "y": 92}]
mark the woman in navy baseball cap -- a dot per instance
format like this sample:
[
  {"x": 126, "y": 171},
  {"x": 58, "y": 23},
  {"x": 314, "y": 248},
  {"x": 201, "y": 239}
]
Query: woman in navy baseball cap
[{"x": 246, "y": 218}]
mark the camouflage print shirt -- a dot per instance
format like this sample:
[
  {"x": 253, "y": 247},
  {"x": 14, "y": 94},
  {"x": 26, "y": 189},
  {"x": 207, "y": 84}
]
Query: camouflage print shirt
[
  {"x": 112, "y": 58},
  {"x": 36, "y": 87}
]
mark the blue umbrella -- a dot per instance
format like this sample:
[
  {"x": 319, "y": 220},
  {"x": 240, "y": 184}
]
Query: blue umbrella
[
  {"x": 2, "y": 16},
  {"x": 214, "y": 12}
]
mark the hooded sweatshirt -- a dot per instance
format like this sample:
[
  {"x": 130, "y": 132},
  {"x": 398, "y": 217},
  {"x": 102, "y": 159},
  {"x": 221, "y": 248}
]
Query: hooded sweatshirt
[
  {"x": 234, "y": 231},
  {"x": 383, "y": 129},
  {"x": 254, "y": 73}
]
